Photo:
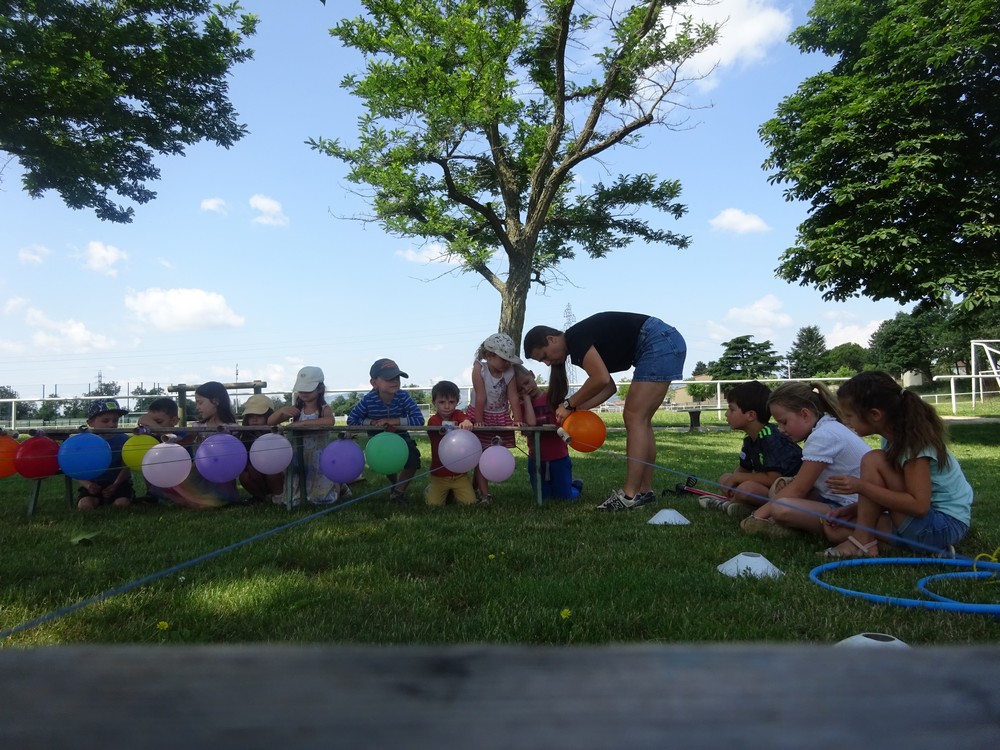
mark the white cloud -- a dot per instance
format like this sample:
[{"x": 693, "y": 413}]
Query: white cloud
[
  {"x": 433, "y": 253},
  {"x": 215, "y": 205},
  {"x": 33, "y": 254},
  {"x": 270, "y": 213},
  {"x": 13, "y": 304},
  {"x": 740, "y": 222},
  {"x": 102, "y": 258},
  {"x": 760, "y": 319},
  {"x": 847, "y": 334},
  {"x": 165, "y": 263},
  {"x": 182, "y": 309},
  {"x": 750, "y": 28},
  {"x": 64, "y": 335}
]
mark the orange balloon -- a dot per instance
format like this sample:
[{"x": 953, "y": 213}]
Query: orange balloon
[
  {"x": 8, "y": 449},
  {"x": 586, "y": 431}
]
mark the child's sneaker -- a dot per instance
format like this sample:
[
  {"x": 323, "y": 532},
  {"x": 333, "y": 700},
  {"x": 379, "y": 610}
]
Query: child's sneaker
[
  {"x": 644, "y": 498},
  {"x": 713, "y": 503},
  {"x": 738, "y": 510}
]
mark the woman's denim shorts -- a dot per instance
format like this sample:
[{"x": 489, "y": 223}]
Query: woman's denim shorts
[{"x": 659, "y": 353}]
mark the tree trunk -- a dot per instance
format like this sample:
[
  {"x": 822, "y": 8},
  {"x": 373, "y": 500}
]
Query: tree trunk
[{"x": 514, "y": 297}]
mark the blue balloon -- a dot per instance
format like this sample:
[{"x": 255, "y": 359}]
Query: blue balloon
[{"x": 84, "y": 456}]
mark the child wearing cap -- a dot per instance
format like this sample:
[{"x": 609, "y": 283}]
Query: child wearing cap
[
  {"x": 310, "y": 408},
  {"x": 256, "y": 411},
  {"x": 114, "y": 486},
  {"x": 388, "y": 407},
  {"x": 495, "y": 397}
]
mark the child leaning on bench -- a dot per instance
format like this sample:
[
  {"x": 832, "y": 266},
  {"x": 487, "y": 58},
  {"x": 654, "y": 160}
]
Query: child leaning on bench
[
  {"x": 114, "y": 486},
  {"x": 554, "y": 468},
  {"x": 387, "y": 407},
  {"x": 447, "y": 416}
]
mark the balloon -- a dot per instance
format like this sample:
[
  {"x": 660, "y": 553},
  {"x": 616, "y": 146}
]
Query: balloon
[
  {"x": 270, "y": 453},
  {"x": 496, "y": 464},
  {"x": 166, "y": 465},
  {"x": 220, "y": 458},
  {"x": 135, "y": 450},
  {"x": 343, "y": 460},
  {"x": 459, "y": 451},
  {"x": 84, "y": 456},
  {"x": 386, "y": 453},
  {"x": 586, "y": 431},
  {"x": 37, "y": 457},
  {"x": 8, "y": 449}
]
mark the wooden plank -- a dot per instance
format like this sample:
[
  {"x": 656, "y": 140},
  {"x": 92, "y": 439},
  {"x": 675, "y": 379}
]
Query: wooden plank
[{"x": 740, "y": 696}]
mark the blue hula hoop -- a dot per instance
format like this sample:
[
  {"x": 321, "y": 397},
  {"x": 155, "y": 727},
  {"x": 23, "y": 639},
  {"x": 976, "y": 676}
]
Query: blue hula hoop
[{"x": 939, "y": 602}]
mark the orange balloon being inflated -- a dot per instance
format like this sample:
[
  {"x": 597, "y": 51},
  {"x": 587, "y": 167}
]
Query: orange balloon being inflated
[{"x": 586, "y": 431}]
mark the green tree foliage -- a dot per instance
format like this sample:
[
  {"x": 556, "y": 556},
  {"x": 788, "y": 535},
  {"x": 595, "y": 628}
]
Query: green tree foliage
[
  {"x": 91, "y": 91},
  {"x": 807, "y": 352},
  {"x": 700, "y": 391},
  {"x": 141, "y": 406},
  {"x": 896, "y": 149},
  {"x": 745, "y": 359},
  {"x": 25, "y": 409},
  {"x": 700, "y": 368},
  {"x": 342, "y": 404},
  {"x": 477, "y": 115},
  {"x": 850, "y": 357},
  {"x": 907, "y": 343}
]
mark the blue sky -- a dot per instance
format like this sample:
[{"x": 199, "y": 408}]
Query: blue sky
[{"x": 247, "y": 259}]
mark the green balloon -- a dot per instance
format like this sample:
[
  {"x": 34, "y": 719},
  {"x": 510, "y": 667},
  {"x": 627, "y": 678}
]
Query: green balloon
[{"x": 386, "y": 453}]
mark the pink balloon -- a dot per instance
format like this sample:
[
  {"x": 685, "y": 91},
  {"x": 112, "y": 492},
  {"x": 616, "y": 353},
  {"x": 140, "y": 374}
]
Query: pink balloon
[
  {"x": 271, "y": 453},
  {"x": 496, "y": 464},
  {"x": 459, "y": 451},
  {"x": 342, "y": 461},
  {"x": 166, "y": 465},
  {"x": 220, "y": 458}
]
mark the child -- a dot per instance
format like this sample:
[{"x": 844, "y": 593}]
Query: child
[
  {"x": 162, "y": 414},
  {"x": 913, "y": 487},
  {"x": 555, "y": 468},
  {"x": 444, "y": 399},
  {"x": 256, "y": 412},
  {"x": 766, "y": 455},
  {"x": 311, "y": 408},
  {"x": 114, "y": 486},
  {"x": 809, "y": 412},
  {"x": 495, "y": 390},
  {"x": 388, "y": 407},
  {"x": 212, "y": 402}
]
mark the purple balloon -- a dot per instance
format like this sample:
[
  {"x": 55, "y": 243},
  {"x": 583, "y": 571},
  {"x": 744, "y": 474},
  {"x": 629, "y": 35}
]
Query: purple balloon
[
  {"x": 166, "y": 465},
  {"x": 496, "y": 464},
  {"x": 220, "y": 458},
  {"x": 271, "y": 453},
  {"x": 342, "y": 461},
  {"x": 459, "y": 451}
]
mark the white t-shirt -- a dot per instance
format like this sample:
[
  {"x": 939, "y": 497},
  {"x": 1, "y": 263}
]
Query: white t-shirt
[{"x": 836, "y": 445}]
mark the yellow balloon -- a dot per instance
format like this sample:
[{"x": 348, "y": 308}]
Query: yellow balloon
[{"x": 135, "y": 448}]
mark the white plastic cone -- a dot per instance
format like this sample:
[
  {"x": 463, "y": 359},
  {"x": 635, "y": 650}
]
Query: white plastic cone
[
  {"x": 669, "y": 516},
  {"x": 749, "y": 564},
  {"x": 872, "y": 640}
]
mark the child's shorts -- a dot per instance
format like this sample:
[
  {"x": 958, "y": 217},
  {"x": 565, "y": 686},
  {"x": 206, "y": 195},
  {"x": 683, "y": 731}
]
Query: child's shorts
[
  {"x": 413, "y": 457},
  {"x": 124, "y": 490},
  {"x": 659, "y": 353},
  {"x": 936, "y": 530}
]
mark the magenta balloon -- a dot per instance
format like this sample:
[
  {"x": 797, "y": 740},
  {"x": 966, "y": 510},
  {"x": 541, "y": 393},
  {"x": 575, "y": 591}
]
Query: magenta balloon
[
  {"x": 166, "y": 465},
  {"x": 220, "y": 458},
  {"x": 342, "y": 461},
  {"x": 271, "y": 453},
  {"x": 496, "y": 464},
  {"x": 459, "y": 451}
]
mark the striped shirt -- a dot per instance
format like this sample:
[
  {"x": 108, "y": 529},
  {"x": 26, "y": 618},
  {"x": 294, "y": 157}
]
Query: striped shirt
[{"x": 372, "y": 407}]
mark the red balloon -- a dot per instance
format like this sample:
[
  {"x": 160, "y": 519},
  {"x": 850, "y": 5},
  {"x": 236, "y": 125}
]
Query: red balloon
[
  {"x": 8, "y": 449},
  {"x": 586, "y": 431},
  {"x": 37, "y": 457}
]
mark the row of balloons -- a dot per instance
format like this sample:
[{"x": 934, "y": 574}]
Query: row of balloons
[{"x": 222, "y": 457}]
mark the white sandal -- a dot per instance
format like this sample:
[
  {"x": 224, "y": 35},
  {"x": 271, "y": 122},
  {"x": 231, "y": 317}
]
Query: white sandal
[{"x": 863, "y": 549}]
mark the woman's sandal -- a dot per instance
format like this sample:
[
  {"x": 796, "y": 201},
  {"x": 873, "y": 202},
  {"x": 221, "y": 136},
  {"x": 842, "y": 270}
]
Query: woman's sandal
[{"x": 863, "y": 549}]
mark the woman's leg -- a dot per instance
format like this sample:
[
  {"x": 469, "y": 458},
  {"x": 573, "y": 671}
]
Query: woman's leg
[{"x": 641, "y": 403}]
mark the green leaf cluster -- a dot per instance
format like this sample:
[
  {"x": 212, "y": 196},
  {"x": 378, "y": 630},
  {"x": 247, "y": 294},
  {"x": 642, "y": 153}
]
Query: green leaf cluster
[
  {"x": 477, "y": 114},
  {"x": 897, "y": 150},
  {"x": 92, "y": 90}
]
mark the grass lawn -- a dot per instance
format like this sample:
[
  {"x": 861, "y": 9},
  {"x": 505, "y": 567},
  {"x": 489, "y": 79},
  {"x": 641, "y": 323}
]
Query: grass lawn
[{"x": 511, "y": 573}]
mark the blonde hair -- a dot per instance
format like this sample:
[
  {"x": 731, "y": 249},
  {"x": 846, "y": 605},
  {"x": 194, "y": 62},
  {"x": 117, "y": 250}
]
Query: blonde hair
[{"x": 814, "y": 396}]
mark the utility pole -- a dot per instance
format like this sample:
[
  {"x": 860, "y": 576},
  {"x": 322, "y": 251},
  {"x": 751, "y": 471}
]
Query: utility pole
[{"x": 568, "y": 320}]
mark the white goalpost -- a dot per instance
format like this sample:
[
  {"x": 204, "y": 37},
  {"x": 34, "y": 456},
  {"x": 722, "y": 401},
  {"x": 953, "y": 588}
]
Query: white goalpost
[{"x": 987, "y": 350}]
